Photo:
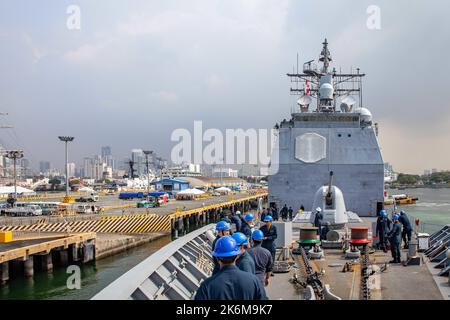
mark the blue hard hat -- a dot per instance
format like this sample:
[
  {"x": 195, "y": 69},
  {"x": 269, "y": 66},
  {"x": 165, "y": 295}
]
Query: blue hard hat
[
  {"x": 226, "y": 247},
  {"x": 240, "y": 238},
  {"x": 249, "y": 217},
  {"x": 268, "y": 218},
  {"x": 382, "y": 212},
  {"x": 223, "y": 226},
  {"x": 257, "y": 235},
  {"x": 394, "y": 216}
]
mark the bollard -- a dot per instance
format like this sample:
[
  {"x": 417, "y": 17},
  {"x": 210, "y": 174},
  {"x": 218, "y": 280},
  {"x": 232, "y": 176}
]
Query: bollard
[{"x": 412, "y": 248}]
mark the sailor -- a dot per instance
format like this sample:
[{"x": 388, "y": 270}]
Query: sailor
[
  {"x": 223, "y": 229},
  {"x": 244, "y": 261},
  {"x": 302, "y": 208},
  {"x": 230, "y": 283},
  {"x": 291, "y": 213},
  {"x": 262, "y": 258},
  {"x": 246, "y": 227},
  {"x": 275, "y": 212},
  {"x": 395, "y": 239},
  {"x": 318, "y": 217},
  {"x": 382, "y": 230},
  {"x": 325, "y": 230},
  {"x": 407, "y": 229},
  {"x": 284, "y": 212},
  {"x": 270, "y": 234},
  {"x": 263, "y": 214},
  {"x": 224, "y": 216},
  {"x": 236, "y": 219}
]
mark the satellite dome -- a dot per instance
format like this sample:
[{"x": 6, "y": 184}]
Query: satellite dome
[
  {"x": 366, "y": 115},
  {"x": 347, "y": 104},
  {"x": 326, "y": 91}
]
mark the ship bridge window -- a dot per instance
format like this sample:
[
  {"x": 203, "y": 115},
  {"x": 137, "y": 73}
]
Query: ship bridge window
[
  {"x": 349, "y": 135},
  {"x": 339, "y": 135}
]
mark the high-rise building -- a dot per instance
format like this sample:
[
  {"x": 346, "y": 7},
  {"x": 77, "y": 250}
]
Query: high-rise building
[
  {"x": 137, "y": 156},
  {"x": 71, "y": 169},
  {"x": 434, "y": 171},
  {"x": 107, "y": 157},
  {"x": 44, "y": 166},
  {"x": 106, "y": 151}
]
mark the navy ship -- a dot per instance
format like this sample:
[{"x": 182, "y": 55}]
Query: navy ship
[
  {"x": 330, "y": 131},
  {"x": 328, "y": 157}
]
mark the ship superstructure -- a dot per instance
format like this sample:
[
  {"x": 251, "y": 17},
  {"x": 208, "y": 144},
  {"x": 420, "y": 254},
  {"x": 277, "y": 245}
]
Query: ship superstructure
[{"x": 329, "y": 130}]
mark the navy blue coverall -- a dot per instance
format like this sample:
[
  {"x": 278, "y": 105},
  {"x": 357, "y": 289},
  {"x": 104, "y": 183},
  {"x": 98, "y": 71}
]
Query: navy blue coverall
[
  {"x": 407, "y": 229},
  {"x": 246, "y": 229},
  {"x": 246, "y": 263},
  {"x": 395, "y": 240},
  {"x": 382, "y": 231},
  {"x": 237, "y": 221},
  {"x": 216, "y": 262},
  {"x": 263, "y": 261},
  {"x": 269, "y": 243},
  {"x": 230, "y": 283},
  {"x": 318, "y": 221}
]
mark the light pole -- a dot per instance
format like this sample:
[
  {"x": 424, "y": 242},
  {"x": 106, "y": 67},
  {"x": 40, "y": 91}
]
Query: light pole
[
  {"x": 66, "y": 140},
  {"x": 146, "y": 152},
  {"x": 14, "y": 154}
]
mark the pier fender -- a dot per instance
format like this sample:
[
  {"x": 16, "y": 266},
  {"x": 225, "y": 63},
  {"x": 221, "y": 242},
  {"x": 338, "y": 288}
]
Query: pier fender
[{"x": 328, "y": 295}]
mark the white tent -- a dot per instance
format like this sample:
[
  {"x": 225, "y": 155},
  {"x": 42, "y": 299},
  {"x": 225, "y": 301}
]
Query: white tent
[
  {"x": 20, "y": 190},
  {"x": 191, "y": 191},
  {"x": 223, "y": 189},
  {"x": 86, "y": 189}
]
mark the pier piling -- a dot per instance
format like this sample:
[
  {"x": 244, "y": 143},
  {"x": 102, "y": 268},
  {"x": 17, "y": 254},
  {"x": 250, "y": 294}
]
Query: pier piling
[
  {"x": 4, "y": 272},
  {"x": 28, "y": 266}
]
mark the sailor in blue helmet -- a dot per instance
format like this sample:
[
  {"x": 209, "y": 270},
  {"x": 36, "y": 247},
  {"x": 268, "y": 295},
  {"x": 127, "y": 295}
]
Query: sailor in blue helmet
[
  {"x": 246, "y": 227},
  {"x": 230, "y": 283},
  {"x": 236, "y": 219},
  {"x": 244, "y": 261},
  {"x": 381, "y": 231},
  {"x": 395, "y": 239},
  {"x": 407, "y": 229},
  {"x": 270, "y": 234},
  {"x": 262, "y": 257},
  {"x": 223, "y": 229}
]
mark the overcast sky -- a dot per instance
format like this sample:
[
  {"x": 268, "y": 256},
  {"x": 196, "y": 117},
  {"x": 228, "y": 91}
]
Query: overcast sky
[{"x": 137, "y": 70}]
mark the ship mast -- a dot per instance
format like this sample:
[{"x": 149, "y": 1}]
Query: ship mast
[{"x": 326, "y": 86}]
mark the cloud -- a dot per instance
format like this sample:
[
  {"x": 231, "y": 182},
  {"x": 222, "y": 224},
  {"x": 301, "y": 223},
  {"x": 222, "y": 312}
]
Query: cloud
[{"x": 165, "y": 97}]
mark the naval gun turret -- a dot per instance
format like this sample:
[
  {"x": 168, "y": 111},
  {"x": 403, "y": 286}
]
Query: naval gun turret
[{"x": 330, "y": 200}]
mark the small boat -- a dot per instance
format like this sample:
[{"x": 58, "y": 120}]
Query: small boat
[{"x": 400, "y": 199}]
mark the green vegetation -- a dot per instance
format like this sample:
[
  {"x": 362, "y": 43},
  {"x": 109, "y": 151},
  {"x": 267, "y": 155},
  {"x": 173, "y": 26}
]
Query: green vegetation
[
  {"x": 432, "y": 179},
  {"x": 438, "y": 177},
  {"x": 407, "y": 179}
]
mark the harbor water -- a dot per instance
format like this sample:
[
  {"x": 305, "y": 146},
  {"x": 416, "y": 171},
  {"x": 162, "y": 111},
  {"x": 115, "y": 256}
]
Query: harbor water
[{"x": 433, "y": 210}]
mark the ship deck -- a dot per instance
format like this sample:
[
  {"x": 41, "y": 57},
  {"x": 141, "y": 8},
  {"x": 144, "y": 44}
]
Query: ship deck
[{"x": 397, "y": 282}]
